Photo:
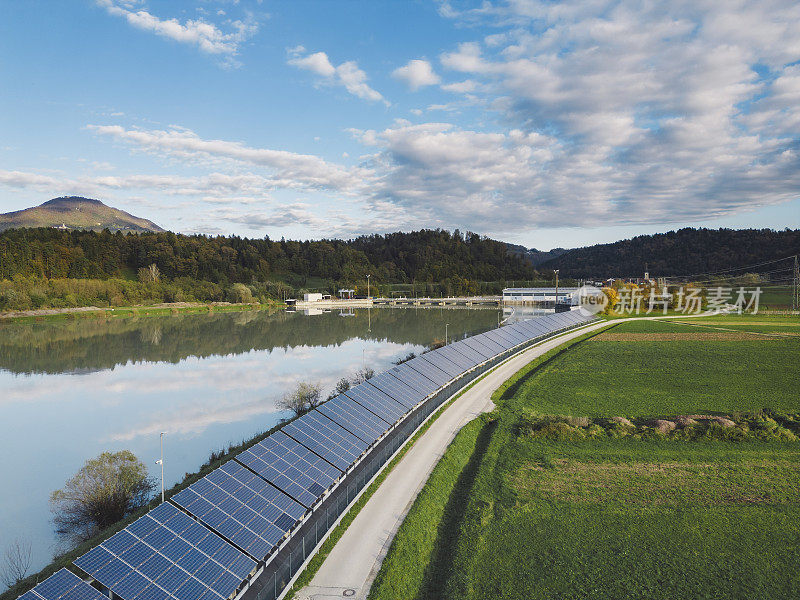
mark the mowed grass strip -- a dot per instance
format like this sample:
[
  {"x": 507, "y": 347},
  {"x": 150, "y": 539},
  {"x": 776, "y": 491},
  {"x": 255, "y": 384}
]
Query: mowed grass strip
[{"x": 619, "y": 518}]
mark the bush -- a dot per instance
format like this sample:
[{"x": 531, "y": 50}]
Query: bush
[{"x": 239, "y": 293}]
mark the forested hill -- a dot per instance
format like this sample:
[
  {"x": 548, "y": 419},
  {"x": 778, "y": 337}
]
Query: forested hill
[
  {"x": 683, "y": 252},
  {"x": 420, "y": 256},
  {"x": 76, "y": 212}
]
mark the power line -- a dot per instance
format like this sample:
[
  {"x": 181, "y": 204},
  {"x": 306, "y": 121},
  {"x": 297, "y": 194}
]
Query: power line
[{"x": 733, "y": 268}]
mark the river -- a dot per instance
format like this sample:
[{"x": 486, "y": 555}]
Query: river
[{"x": 71, "y": 389}]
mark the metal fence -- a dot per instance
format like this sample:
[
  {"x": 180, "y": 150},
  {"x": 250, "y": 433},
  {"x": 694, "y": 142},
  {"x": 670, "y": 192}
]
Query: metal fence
[{"x": 278, "y": 572}]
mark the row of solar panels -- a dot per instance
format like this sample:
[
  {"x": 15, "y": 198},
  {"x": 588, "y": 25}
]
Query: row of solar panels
[{"x": 208, "y": 540}]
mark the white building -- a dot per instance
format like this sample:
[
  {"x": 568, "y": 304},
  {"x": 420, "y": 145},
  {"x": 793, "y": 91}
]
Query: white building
[
  {"x": 566, "y": 295},
  {"x": 313, "y": 297}
]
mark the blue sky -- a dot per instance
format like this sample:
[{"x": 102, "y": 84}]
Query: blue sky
[{"x": 545, "y": 124}]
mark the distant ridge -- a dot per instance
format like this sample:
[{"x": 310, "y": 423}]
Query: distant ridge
[{"x": 75, "y": 212}]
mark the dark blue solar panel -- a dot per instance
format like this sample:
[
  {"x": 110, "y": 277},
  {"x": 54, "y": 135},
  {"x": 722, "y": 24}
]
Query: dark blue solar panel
[
  {"x": 414, "y": 379},
  {"x": 474, "y": 357},
  {"x": 165, "y": 552},
  {"x": 486, "y": 339},
  {"x": 397, "y": 390},
  {"x": 441, "y": 362},
  {"x": 501, "y": 338},
  {"x": 63, "y": 585},
  {"x": 291, "y": 467},
  {"x": 377, "y": 402},
  {"x": 456, "y": 357},
  {"x": 478, "y": 347},
  {"x": 513, "y": 337},
  {"x": 519, "y": 330},
  {"x": 265, "y": 495},
  {"x": 354, "y": 417},
  {"x": 321, "y": 435},
  {"x": 423, "y": 367},
  {"x": 225, "y": 505}
]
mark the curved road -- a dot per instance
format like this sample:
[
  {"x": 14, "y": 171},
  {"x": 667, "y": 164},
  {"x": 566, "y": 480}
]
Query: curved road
[{"x": 355, "y": 559}]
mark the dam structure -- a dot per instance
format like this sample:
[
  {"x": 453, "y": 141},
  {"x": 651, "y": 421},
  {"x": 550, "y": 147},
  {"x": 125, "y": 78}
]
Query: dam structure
[{"x": 246, "y": 530}]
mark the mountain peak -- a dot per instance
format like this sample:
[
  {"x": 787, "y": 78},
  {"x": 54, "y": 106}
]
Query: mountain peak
[{"x": 76, "y": 212}]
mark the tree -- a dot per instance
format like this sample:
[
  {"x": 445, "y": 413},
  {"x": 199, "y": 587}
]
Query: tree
[
  {"x": 362, "y": 375},
  {"x": 342, "y": 386},
  {"x": 16, "y": 562},
  {"x": 105, "y": 490},
  {"x": 149, "y": 274},
  {"x": 302, "y": 399},
  {"x": 239, "y": 293}
]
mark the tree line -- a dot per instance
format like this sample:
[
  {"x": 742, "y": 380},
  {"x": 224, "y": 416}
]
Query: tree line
[
  {"x": 45, "y": 267},
  {"x": 686, "y": 251}
]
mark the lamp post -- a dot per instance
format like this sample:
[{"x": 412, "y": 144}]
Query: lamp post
[
  {"x": 368, "y": 287},
  {"x": 556, "y": 272},
  {"x": 446, "y": 325},
  {"x": 160, "y": 461}
]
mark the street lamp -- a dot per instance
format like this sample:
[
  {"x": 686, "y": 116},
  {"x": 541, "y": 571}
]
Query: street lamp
[
  {"x": 446, "y": 325},
  {"x": 160, "y": 461},
  {"x": 368, "y": 287},
  {"x": 556, "y": 272}
]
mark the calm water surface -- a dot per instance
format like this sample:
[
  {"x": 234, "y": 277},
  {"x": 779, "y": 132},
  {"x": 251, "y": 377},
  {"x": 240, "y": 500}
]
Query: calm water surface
[{"x": 71, "y": 390}]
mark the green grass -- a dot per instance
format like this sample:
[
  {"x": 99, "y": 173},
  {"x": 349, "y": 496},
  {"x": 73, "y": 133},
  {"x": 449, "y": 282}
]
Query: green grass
[
  {"x": 526, "y": 517},
  {"x": 640, "y": 377}
]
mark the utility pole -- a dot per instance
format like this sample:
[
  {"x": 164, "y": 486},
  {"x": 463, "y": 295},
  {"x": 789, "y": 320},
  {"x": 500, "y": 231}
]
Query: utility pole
[
  {"x": 160, "y": 461},
  {"x": 556, "y": 272},
  {"x": 796, "y": 286}
]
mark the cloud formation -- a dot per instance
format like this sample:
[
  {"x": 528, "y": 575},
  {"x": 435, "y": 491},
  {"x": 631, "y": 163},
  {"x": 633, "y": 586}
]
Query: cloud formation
[
  {"x": 289, "y": 169},
  {"x": 206, "y": 36},
  {"x": 346, "y": 75},
  {"x": 652, "y": 113},
  {"x": 416, "y": 74}
]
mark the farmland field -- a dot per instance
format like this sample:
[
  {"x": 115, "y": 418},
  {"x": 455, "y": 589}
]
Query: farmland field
[{"x": 518, "y": 512}]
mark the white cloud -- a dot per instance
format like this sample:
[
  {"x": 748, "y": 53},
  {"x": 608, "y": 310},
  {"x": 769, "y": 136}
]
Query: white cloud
[
  {"x": 208, "y": 37},
  {"x": 417, "y": 74},
  {"x": 659, "y": 112},
  {"x": 347, "y": 74},
  {"x": 290, "y": 170},
  {"x": 463, "y": 87}
]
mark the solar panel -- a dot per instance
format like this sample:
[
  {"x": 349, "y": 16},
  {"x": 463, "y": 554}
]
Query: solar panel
[
  {"x": 63, "y": 585},
  {"x": 518, "y": 329},
  {"x": 397, "y": 390},
  {"x": 254, "y": 519},
  {"x": 442, "y": 362},
  {"x": 336, "y": 445},
  {"x": 478, "y": 347},
  {"x": 492, "y": 341},
  {"x": 515, "y": 336},
  {"x": 166, "y": 552},
  {"x": 455, "y": 357},
  {"x": 376, "y": 401},
  {"x": 422, "y": 366},
  {"x": 413, "y": 378},
  {"x": 510, "y": 338},
  {"x": 291, "y": 467},
  {"x": 472, "y": 355},
  {"x": 354, "y": 417}
]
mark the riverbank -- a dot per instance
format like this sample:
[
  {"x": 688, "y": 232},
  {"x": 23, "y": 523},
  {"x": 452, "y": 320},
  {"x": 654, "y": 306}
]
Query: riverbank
[{"x": 166, "y": 308}]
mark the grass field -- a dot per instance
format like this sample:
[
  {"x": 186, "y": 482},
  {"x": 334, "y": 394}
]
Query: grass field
[{"x": 508, "y": 515}]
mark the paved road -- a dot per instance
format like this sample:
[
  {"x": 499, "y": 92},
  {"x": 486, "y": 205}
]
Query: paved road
[{"x": 357, "y": 556}]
